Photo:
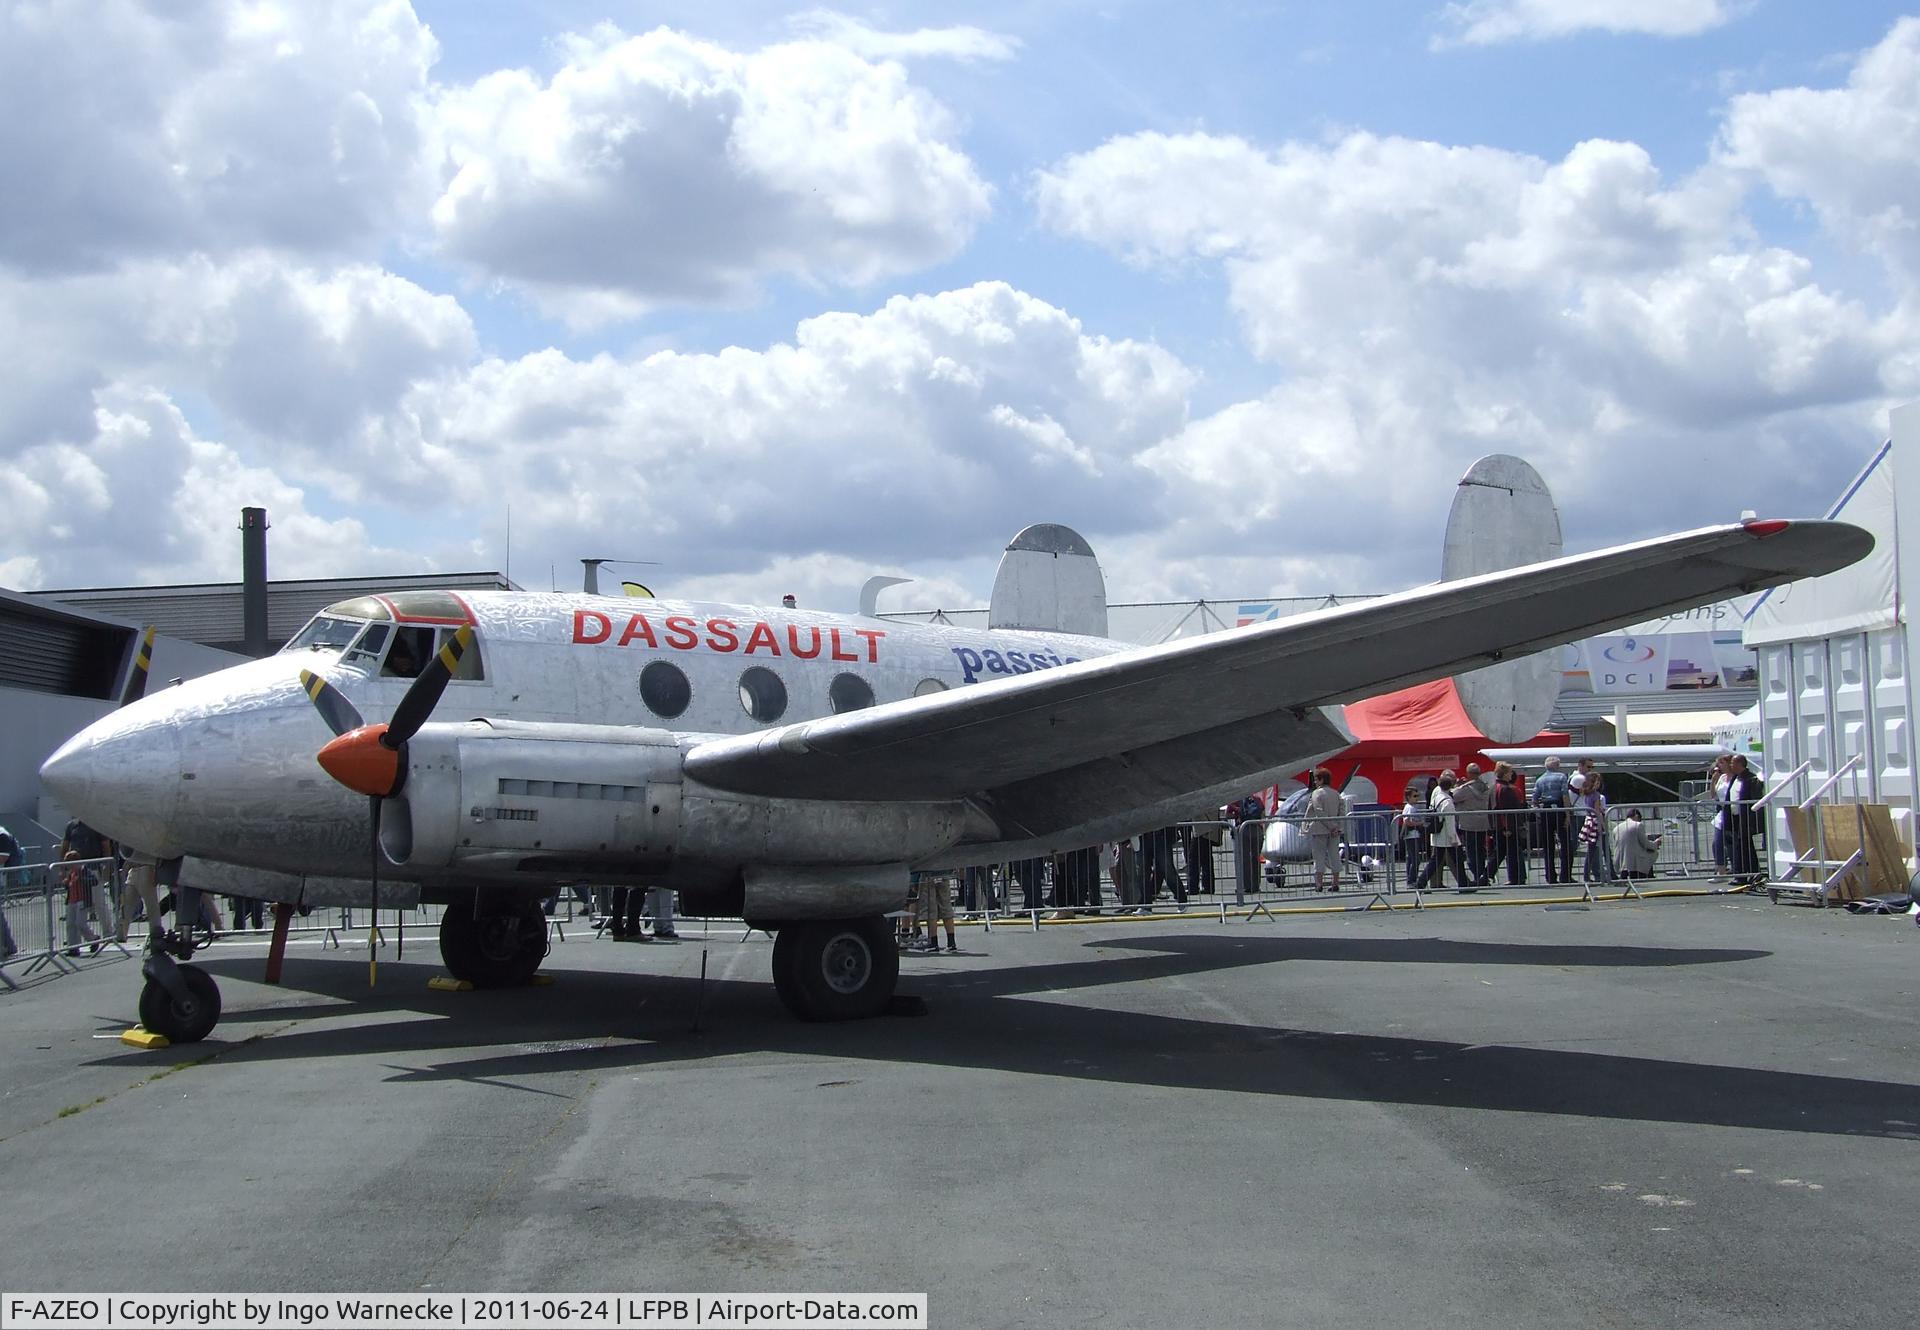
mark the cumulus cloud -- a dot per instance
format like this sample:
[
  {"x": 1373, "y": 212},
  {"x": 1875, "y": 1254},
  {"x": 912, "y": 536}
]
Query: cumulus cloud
[
  {"x": 910, "y": 429},
  {"x": 1489, "y": 22},
  {"x": 1426, "y": 304},
  {"x": 207, "y": 127},
  {"x": 1850, "y": 152},
  {"x": 659, "y": 168},
  {"x": 140, "y": 498}
]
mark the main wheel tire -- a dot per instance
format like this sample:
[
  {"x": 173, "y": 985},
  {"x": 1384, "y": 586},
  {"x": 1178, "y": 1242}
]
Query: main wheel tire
[
  {"x": 493, "y": 950},
  {"x": 182, "y": 1023},
  {"x": 835, "y": 969}
]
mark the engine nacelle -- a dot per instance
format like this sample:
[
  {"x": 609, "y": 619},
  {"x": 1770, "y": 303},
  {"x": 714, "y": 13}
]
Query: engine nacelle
[
  {"x": 491, "y": 793},
  {"x": 610, "y": 803}
]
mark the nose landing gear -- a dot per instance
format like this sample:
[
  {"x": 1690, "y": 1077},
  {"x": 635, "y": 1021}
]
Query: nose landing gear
[{"x": 179, "y": 1001}]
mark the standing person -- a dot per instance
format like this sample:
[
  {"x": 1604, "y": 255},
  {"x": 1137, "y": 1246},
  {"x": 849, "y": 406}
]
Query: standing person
[
  {"x": 1719, "y": 777},
  {"x": 1744, "y": 790},
  {"x": 80, "y": 841},
  {"x": 1413, "y": 823},
  {"x": 73, "y": 876},
  {"x": 1157, "y": 847},
  {"x": 1595, "y": 834},
  {"x": 1507, "y": 819},
  {"x": 1247, "y": 831},
  {"x": 1028, "y": 873},
  {"x": 9, "y": 857},
  {"x": 659, "y": 908},
  {"x": 1202, "y": 837},
  {"x": 936, "y": 907},
  {"x": 140, "y": 886},
  {"x": 623, "y": 916},
  {"x": 1444, "y": 840},
  {"x": 1123, "y": 870},
  {"x": 1473, "y": 798},
  {"x": 1552, "y": 795},
  {"x": 1325, "y": 809},
  {"x": 245, "y": 908}
]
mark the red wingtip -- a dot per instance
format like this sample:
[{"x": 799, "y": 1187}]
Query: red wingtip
[
  {"x": 359, "y": 761},
  {"x": 1763, "y": 528}
]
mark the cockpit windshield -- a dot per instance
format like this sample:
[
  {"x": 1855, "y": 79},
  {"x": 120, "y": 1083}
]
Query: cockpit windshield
[
  {"x": 389, "y": 649},
  {"x": 325, "y": 633}
]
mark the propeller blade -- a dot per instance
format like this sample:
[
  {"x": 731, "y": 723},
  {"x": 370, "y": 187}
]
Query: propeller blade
[
  {"x": 340, "y": 714},
  {"x": 418, "y": 704},
  {"x": 142, "y": 666}
]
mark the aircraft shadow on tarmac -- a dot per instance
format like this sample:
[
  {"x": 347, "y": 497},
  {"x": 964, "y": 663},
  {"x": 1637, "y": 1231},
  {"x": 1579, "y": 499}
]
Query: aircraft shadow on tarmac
[{"x": 608, "y": 1021}]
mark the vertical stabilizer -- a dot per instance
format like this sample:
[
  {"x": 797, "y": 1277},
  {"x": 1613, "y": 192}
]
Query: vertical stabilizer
[
  {"x": 1503, "y": 516},
  {"x": 1049, "y": 580}
]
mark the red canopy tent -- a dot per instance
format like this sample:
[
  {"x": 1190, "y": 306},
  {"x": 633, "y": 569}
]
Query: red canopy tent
[{"x": 1418, "y": 731}]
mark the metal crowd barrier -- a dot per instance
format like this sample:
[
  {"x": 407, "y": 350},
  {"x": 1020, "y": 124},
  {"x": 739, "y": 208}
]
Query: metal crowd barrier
[{"x": 1222, "y": 868}]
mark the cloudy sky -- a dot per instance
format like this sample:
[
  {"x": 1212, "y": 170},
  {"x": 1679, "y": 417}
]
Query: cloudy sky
[{"x": 783, "y": 297}]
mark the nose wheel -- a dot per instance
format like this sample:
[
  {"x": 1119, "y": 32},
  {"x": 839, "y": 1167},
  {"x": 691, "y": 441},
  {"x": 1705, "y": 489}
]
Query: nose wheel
[{"x": 181, "y": 1002}]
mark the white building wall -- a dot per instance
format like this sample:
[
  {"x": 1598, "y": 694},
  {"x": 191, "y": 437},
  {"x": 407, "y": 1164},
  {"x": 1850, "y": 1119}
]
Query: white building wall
[{"x": 1826, "y": 699}]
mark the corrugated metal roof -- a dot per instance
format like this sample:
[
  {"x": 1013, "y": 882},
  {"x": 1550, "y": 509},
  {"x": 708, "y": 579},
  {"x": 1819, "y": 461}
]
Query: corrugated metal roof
[{"x": 212, "y": 613}]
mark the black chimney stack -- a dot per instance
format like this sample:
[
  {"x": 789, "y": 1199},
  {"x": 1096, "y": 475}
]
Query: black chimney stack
[{"x": 253, "y": 578}]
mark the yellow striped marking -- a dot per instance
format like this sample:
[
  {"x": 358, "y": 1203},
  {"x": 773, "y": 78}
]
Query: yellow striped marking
[{"x": 455, "y": 648}]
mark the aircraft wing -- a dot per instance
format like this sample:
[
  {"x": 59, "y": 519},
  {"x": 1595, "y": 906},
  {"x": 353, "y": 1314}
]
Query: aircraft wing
[{"x": 1062, "y": 747}]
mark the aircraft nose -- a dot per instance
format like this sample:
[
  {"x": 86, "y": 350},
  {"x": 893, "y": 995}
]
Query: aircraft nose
[{"x": 121, "y": 776}]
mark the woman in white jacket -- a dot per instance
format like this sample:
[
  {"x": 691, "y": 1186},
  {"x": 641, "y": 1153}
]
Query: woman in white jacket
[{"x": 1446, "y": 838}]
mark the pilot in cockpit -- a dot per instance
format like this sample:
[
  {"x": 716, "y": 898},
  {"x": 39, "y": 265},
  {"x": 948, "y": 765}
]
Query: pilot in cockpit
[{"x": 406, "y": 658}]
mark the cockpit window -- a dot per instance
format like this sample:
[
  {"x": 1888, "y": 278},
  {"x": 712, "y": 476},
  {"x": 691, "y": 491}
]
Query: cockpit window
[
  {"x": 325, "y": 633},
  {"x": 369, "y": 646},
  {"x": 411, "y": 650},
  {"x": 361, "y": 607},
  {"x": 415, "y": 645}
]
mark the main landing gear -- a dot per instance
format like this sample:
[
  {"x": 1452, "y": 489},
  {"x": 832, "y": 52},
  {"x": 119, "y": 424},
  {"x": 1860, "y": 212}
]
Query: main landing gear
[
  {"x": 499, "y": 949},
  {"x": 835, "y": 969}
]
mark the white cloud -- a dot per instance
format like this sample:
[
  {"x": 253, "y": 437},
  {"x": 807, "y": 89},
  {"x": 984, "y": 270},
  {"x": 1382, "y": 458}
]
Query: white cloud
[
  {"x": 1488, "y": 22},
  {"x": 1427, "y": 304},
  {"x": 1852, "y": 152},
  {"x": 659, "y": 168},
  {"x": 957, "y": 43},
  {"x": 206, "y": 128},
  {"x": 139, "y": 498},
  {"x": 907, "y": 431}
]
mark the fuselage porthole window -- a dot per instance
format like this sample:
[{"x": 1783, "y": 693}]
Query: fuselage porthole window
[
  {"x": 665, "y": 689},
  {"x": 762, "y": 695},
  {"x": 928, "y": 687},
  {"x": 849, "y": 692}
]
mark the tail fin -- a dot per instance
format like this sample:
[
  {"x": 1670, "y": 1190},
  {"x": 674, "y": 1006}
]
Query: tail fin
[
  {"x": 1503, "y": 516},
  {"x": 1049, "y": 579}
]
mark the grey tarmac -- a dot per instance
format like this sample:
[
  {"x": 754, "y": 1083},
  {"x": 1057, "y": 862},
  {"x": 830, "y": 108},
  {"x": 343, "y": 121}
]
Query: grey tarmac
[{"x": 1700, "y": 1112}]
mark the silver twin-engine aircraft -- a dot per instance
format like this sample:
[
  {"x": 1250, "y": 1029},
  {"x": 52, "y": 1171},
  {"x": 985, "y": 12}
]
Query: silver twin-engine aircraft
[{"x": 482, "y": 750}]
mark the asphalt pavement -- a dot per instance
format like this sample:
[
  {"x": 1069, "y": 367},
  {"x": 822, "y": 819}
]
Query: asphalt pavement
[{"x": 1700, "y": 1112}]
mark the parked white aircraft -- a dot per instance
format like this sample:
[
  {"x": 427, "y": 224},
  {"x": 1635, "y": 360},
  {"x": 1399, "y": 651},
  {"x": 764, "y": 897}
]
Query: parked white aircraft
[{"x": 786, "y": 766}]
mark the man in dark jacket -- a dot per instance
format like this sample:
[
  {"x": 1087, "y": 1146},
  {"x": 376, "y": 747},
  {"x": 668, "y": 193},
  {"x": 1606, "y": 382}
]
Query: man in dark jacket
[
  {"x": 1552, "y": 796},
  {"x": 1743, "y": 822}
]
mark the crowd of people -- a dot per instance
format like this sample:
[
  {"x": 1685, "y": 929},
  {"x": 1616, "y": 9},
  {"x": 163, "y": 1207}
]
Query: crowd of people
[
  {"x": 1477, "y": 828},
  {"x": 1473, "y": 830}
]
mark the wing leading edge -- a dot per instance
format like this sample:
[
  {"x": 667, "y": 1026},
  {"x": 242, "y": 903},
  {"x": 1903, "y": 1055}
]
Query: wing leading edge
[{"x": 1005, "y": 742}]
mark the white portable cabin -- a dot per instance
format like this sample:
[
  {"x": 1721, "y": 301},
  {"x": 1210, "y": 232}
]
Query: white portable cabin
[{"x": 1835, "y": 655}]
